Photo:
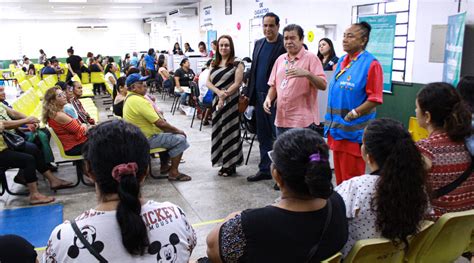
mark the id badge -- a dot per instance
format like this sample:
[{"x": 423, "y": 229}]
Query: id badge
[{"x": 283, "y": 84}]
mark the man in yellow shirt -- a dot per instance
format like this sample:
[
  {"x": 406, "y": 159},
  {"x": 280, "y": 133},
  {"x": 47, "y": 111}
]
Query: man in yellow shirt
[{"x": 138, "y": 111}]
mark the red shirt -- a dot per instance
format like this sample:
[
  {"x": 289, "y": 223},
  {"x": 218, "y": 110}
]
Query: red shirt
[{"x": 70, "y": 134}]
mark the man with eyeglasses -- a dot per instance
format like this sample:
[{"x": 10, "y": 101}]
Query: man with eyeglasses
[{"x": 160, "y": 133}]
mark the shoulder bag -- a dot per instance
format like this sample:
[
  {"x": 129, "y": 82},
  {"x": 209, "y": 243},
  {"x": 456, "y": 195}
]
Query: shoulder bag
[
  {"x": 86, "y": 243},
  {"x": 315, "y": 248},
  {"x": 14, "y": 141}
]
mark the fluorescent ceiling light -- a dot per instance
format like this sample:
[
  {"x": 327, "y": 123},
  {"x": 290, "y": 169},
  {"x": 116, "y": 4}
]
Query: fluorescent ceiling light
[
  {"x": 127, "y": 7},
  {"x": 67, "y": 7},
  {"x": 68, "y": 1},
  {"x": 67, "y": 12}
]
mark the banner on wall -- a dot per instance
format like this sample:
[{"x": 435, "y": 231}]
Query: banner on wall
[
  {"x": 211, "y": 36},
  {"x": 382, "y": 41},
  {"x": 453, "y": 48}
]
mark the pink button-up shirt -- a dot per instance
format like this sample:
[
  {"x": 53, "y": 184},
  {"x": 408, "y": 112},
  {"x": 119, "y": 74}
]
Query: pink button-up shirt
[{"x": 297, "y": 105}]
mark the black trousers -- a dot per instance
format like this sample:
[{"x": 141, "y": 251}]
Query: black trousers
[{"x": 30, "y": 159}]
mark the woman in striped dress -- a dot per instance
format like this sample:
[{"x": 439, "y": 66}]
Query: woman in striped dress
[{"x": 225, "y": 80}]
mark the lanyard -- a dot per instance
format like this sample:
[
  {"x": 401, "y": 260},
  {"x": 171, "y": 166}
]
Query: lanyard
[
  {"x": 348, "y": 66},
  {"x": 289, "y": 65}
]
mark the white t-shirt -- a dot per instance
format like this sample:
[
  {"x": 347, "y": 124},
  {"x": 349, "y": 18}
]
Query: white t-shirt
[
  {"x": 172, "y": 238},
  {"x": 357, "y": 194},
  {"x": 107, "y": 76},
  {"x": 203, "y": 83}
]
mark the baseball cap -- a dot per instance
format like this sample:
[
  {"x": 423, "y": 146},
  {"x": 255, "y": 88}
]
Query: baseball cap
[{"x": 135, "y": 77}]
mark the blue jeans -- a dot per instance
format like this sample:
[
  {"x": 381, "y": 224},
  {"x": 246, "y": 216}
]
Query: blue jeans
[{"x": 265, "y": 132}]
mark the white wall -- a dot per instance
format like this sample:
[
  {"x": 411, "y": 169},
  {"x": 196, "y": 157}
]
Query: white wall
[
  {"x": 432, "y": 12},
  {"x": 55, "y": 37},
  {"x": 307, "y": 13}
]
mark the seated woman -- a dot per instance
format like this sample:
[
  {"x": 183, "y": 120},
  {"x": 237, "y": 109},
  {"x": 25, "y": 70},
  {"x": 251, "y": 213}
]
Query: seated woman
[
  {"x": 68, "y": 108},
  {"x": 70, "y": 132},
  {"x": 121, "y": 91},
  {"x": 182, "y": 77},
  {"x": 127, "y": 228},
  {"x": 29, "y": 160},
  {"x": 165, "y": 75},
  {"x": 373, "y": 204},
  {"x": 440, "y": 110},
  {"x": 83, "y": 116},
  {"x": 309, "y": 213}
]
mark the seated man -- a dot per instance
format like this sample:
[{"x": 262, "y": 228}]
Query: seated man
[
  {"x": 160, "y": 134},
  {"x": 48, "y": 69}
]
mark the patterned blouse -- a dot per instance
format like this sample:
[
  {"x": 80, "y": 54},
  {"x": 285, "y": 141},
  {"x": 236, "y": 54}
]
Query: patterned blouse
[{"x": 449, "y": 160}]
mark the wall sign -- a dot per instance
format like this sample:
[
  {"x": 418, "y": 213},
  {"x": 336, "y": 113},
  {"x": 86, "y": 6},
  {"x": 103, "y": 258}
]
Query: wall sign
[
  {"x": 453, "y": 48},
  {"x": 382, "y": 41}
]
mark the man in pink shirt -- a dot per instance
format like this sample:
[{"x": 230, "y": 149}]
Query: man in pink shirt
[{"x": 294, "y": 82}]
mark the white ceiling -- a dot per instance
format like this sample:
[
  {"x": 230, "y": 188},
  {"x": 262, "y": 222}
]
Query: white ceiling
[{"x": 89, "y": 9}]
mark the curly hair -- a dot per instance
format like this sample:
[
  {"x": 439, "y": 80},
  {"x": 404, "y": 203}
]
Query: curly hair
[
  {"x": 447, "y": 109},
  {"x": 49, "y": 104},
  {"x": 291, "y": 157},
  {"x": 400, "y": 199}
]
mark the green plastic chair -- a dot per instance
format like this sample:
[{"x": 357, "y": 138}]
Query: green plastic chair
[
  {"x": 445, "y": 241},
  {"x": 375, "y": 250}
]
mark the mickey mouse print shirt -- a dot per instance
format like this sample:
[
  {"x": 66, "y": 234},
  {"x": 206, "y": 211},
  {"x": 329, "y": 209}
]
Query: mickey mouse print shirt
[{"x": 172, "y": 238}]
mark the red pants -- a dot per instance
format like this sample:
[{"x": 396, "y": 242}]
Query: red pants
[{"x": 347, "y": 165}]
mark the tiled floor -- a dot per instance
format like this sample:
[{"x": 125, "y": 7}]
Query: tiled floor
[{"x": 207, "y": 197}]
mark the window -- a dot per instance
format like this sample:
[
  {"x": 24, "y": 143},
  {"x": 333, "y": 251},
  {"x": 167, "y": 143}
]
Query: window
[{"x": 404, "y": 33}]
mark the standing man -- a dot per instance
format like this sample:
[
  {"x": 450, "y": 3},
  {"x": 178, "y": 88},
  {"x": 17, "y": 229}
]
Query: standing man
[
  {"x": 355, "y": 90},
  {"x": 265, "y": 53},
  {"x": 295, "y": 80}
]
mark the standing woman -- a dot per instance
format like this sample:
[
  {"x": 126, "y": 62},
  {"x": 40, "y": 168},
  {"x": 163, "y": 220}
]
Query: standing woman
[
  {"x": 110, "y": 77},
  {"x": 150, "y": 63},
  {"x": 42, "y": 57},
  {"x": 74, "y": 64},
  {"x": 440, "y": 110},
  {"x": 354, "y": 91},
  {"x": 225, "y": 80},
  {"x": 326, "y": 54}
]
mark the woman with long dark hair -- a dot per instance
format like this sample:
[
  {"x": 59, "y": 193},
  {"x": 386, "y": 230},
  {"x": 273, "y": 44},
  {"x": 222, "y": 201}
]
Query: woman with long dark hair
[
  {"x": 74, "y": 64},
  {"x": 308, "y": 212},
  {"x": 391, "y": 201},
  {"x": 440, "y": 110},
  {"x": 224, "y": 80},
  {"x": 326, "y": 54},
  {"x": 123, "y": 227}
]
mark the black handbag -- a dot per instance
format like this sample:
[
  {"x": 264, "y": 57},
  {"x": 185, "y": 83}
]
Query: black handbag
[{"x": 14, "y": 141}]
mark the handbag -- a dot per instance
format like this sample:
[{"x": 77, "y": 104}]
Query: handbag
[
  {"x": 454, "y": 184},
  {"x": 86, "y": 243},
  {"x": 13, "y": 141},
  {"x": 243, "y": 103}
]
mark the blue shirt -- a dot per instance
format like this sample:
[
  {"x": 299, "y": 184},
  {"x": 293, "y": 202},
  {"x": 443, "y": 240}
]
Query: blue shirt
[
  {"x": 48, "y": 70},
  {"x": 262, "y": 66},
  {"x": 134, "y": 61},
  {"x": 150, "y": 62}
]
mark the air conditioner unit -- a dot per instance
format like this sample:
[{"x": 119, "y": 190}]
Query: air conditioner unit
[
  {"x": 92, "y": 28},
  {"x": 184, "y": 12},
  {"x": 101, "y": 28},
  {"x": 84, "y": 28}
]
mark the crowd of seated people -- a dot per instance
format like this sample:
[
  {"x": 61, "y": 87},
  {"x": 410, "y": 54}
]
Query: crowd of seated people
[{"x": 366, "y": 206}]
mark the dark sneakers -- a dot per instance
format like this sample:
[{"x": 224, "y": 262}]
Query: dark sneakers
[{"x": 258, "y": 177}]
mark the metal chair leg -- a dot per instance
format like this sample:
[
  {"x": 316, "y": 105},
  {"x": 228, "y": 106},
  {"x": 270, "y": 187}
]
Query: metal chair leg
[
  {"x": 156, "y": 176},
  {"x": 250, "y": 149}
]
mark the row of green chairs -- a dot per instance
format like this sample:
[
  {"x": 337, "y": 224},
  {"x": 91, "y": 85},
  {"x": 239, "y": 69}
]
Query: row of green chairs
[{"x": 443, "y": 241}]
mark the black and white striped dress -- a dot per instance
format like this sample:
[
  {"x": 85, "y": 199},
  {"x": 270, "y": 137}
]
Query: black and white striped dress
[{"x": 226, "y": 145}]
